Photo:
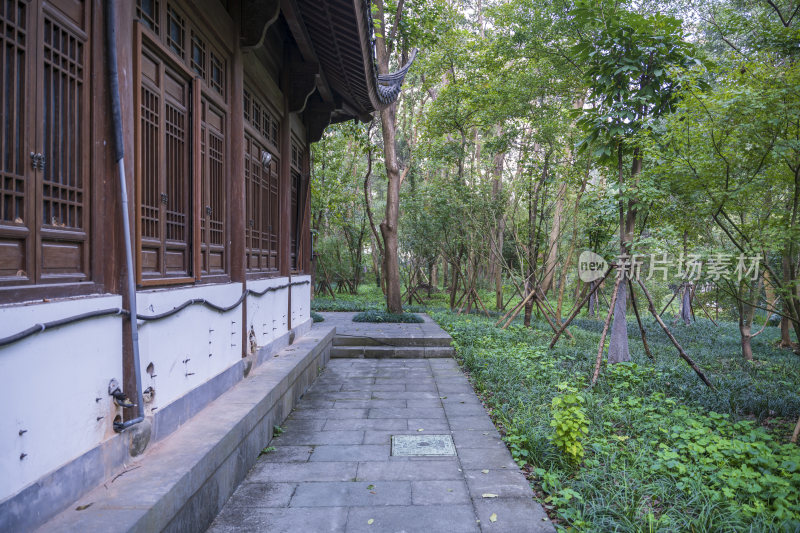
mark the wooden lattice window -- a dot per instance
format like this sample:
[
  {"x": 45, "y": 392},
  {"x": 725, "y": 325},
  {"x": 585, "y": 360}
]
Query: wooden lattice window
[
  {"x": 198, "y": 58},
  {"x": 212, "y": 169},
  {"x": 261, "y": 211},
  {"x": 183, "y": 149},
  {"x": 148, "y": 13},
  {"x": 216, "y": 74},
  {"x": 164, "y": 174},
  {"x": 262, "y": 186},
  {"x": 296, "y": 208},
  {"x": 176, "y": 31},
  {"x": 259, "y": 116},
  {"x": 44, "y": 163}
]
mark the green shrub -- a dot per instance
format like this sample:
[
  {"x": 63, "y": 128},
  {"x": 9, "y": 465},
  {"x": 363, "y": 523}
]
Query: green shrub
[
  {"x": 384, "y": 316},
  {"x": 316, "y": 317},
  {"x": 570, "y": 423}
]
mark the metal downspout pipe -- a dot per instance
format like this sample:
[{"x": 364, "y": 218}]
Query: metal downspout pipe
[{"x": 119, "y": 152}]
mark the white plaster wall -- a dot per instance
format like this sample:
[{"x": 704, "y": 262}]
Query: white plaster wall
[
  {"x": 49, "y": 384},
  {"x": 267, "y": 315},
  {"x": 301, "y": 301},
  {"x": 190, "y": 347}
]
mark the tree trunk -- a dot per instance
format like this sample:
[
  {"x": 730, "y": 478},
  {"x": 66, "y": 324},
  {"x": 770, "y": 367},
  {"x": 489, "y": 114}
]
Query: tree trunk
[
  {"x": 619, "y": 331},
  {"x": 454, "y": 285},
  {"x": 744, "y": 330},
  {"x": 563, "y": 281},
  {"x": 593, "y": 300},
  {"x": 389, "y": 225},
  {"x": 497, "y": 242},
  {"x": 552, "y": 243},
  {"x": 618, "y": 350},
  {"x": 686, "y": 304},
  {"x": 791, "y": 302},
  {"x": 786, "y": 338}
]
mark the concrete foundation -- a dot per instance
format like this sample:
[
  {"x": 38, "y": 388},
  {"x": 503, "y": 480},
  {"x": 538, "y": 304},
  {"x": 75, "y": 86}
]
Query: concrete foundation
[{"x": 181, "y": 483}]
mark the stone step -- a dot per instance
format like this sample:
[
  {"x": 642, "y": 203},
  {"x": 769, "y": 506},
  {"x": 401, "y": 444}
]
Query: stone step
[
  {"x": 386, "y": 352},
  {"x": 404, "y": 341}
]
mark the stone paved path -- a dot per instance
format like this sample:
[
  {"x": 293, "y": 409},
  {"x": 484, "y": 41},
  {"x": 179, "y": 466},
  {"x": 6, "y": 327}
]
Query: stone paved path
[{"x": 332, "y": 468}]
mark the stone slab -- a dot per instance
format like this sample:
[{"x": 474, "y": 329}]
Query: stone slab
[{"x": 377, "y": 490}]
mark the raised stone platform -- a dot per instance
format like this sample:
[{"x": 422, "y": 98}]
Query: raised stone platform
[
  {"x": 382, "y": 341},
  {"x": 182, "y": 482}
]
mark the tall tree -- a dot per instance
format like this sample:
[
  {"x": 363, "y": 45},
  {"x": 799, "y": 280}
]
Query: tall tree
[{"x": 632, "y": 66}]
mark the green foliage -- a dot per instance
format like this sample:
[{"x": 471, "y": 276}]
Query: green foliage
[
  {"x": 316, "y": 317},
  {"x": 385, "y": 316},
  {"x": 266, "y": 450},
  {"x": 570, "y": 423},
  {"x": 633, "y": 66},
  {"x": 662, "y": 452}
]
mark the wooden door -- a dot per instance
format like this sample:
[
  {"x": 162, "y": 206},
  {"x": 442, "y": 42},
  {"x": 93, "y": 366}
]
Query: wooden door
[{"x": 44, "y": 166}]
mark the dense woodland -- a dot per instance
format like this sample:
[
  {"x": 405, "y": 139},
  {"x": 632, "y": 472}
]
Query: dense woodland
[{"x": 527, "y": 132}]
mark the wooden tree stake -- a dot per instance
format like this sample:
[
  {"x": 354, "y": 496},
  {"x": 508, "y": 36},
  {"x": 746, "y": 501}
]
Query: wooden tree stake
[
  {"x": 605, "y": 330},
  {"x": 683, "y": 354},
  {"x": 639, "y": 320},
  {"x": 578, "y": 308}
]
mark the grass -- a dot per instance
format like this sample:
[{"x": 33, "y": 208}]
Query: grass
[
  {"x": 386, "y": 317},
  {"x": 661, "y": 451}
]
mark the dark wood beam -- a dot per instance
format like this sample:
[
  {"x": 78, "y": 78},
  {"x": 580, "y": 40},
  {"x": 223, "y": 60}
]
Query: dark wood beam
[
  {"x": 317, "y": 116},
  {"x": 302, "y": 81},
  {"x": 300, "y": 33},
  {"x": 257, "y": 17}
]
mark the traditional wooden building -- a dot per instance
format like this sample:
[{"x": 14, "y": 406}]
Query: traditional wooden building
[{"x": 219, "y": 102}]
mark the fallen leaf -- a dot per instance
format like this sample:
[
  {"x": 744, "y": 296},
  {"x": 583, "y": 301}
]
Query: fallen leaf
[
  {"x": 443, "y": 397},
  {"x": 488, "y": 495},
  {"x": 544, "y": 519},
  {"x": 370, "y": 487},
  {"x": 83, "y": 507},
  {"x": 420, "y": 429},
  {"x": 449, "y": 490},
  {"x": 484, "y": 471},
  {"x": 493, "y": 518},
  {"x": 370, "y": 521}
]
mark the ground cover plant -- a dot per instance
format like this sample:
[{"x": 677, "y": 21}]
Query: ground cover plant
[
  {"x": 649, "y": 448},
  {"x": 387, "y": 317}
]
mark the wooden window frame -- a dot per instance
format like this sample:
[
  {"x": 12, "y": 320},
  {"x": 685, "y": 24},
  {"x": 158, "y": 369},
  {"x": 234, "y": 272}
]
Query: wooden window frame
[
  {"x": 35, "y": 285},
  {"x": 270, "y": 141},
  {"x": 202, "y": 92},
  {"x": 298, "y": 166},
  {"x": 143, "y": 38}
]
